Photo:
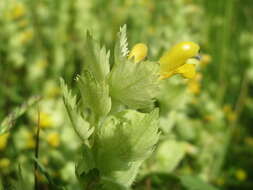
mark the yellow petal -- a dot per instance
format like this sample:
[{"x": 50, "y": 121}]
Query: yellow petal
[
  {"x": 187, "y": 71},
  {"x": 177, "y": 56},
  {"x": 139, "y": 52}
]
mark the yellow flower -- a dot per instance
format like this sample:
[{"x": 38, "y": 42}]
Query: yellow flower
[
  {"x": 53, "y": 139},
  {"x": 175, "y": 61},
  {"x": 229, "y": 113},
  {"x": 3, "y": 140},
  {"x": 138, "y": 52},
  {"x": 45, "y": 120},
  {"x": 30, "y": 141},
  {"x": 4, "y": 163},
  {"x": 51, "y": 90},
  {"x": 18, "y": 11},
  {"x": 209, "y": 118},
  {"x": 205, "y": 60},
  {"x": 248, "y": 141},
  {"x": 220, "y": 181},
  {"x": 23, "y": 23},
  {"x": 241, "y": 175},
  {"x": 26, "y": 36},
  {"x": 41, "y": 63},
  {"x": 194, "y": 84}
]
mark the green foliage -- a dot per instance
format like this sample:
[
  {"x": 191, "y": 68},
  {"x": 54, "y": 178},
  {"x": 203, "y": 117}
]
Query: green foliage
[
  {"x": 121, "y": 47},
  {"x": 114, "y": 145},
  {"x": 9, "y": 120},
  {"x": 126, "y": 138},
  {"x": 194, "y": 183},
  {"x": 97, "y": 59},
  {"x": 95, "y": 95},
  {"x": 81, "y": 127},
  {"x": 134, "y": 85},
  {"x": 169, "y": 154}
]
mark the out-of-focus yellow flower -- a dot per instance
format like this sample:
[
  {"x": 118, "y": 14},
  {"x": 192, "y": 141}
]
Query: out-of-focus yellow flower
[
  {"x": 45, "y": 120},
  {"x": 209, "y": 118},
  {"x": 3, "y": 140},
  {"x": 229, "y": 113},
  {"x": 17, "y": 11},
  {"x": 138, "y": 52},
  {"x": 205, "y": 60},
  {"x": 52, "y": 90},
  {"x": 151, "y": 30},
  {"x": 194, "y": 84},
  {"x": 241, "y": 175},
  {"x": 4, "y": 163},
  {"x": 248, "y": 141},
  {"x": 30, "y": 141},
  {"x": 40, "y": 177},
  {"x": 175, "y": 61},
  {"x": 53, "y": 139},
  {"x": 232, "y": 116},
  {"x": 23, "y": 23},
  {"x": 227, "y": 108},
  {"x": 26, "y": 36},
  {"x": 220, "y": 181},
  {"x": 41, "y": 63}
]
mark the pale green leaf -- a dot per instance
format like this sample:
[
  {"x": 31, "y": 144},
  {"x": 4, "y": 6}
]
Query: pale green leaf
[
  {"x": 128, "y": 137},
  {"x": 128, "y": 176},
  {"x": 134, "y": 85},
  {"x": 80, "y": 125},
  {"x": 168, "y": 155},
  {"x": 85, "y": 161},
  {"x": 97, "y": 59},
  {"x": 95, "y": 94}
]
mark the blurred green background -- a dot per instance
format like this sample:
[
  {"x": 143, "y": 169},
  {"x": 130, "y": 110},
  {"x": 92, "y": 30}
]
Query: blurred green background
[{"x": 206, "y": 121}]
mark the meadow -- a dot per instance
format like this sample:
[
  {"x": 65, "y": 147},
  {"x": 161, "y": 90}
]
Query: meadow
[{"x": 126, "y": 94}]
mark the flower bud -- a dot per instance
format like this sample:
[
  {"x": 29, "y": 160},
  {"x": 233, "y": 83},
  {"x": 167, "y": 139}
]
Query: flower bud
[{"x": 139, "y": 52}]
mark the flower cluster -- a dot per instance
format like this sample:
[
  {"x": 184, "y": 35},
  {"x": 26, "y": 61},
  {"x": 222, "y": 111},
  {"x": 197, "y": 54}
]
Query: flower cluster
[{"x": 180, "y": 59}]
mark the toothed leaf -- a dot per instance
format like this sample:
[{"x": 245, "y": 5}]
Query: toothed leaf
[
  {"x": 125, "y": 138},
  {"x": 95, "y": 94},
  {"x": 134, "y": 85},
  {"x": 121, "y": 48},
  {"x": 81, "y": 127},
  {"x": 97, "y": 59}
]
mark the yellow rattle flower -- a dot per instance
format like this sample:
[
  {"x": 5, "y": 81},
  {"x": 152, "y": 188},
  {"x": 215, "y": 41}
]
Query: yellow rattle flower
[
  {"x": 138, "y": 52},
  {"x": 53, "y": 139},
  {"x": 3, "y": 141},
  {"x": 45, "y": 120},
  {"x": 4, "y": 163},
  {"x": 178, "y": 60},
  {"x": 241, "y": 175},
  {"x": 18, "y": 11}
]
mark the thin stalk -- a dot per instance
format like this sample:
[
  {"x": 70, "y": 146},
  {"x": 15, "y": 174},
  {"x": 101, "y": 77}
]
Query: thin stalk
[{"x": 36, "y": 153}]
